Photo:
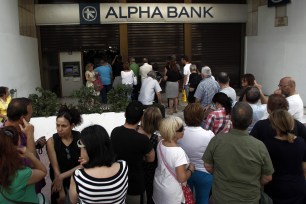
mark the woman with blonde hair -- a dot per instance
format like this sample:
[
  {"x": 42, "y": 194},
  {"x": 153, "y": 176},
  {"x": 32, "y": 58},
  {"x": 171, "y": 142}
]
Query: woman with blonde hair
[
  {"x": 174, "y": 168},
  {"x": 288, "y": 155},
  {"x": 149, "y": 125},
  {"x": 90, "y": 76}
]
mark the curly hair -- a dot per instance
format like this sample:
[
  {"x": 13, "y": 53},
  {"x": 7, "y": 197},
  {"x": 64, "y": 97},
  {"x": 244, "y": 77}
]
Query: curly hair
[
  {"x": 10, "y": 161},
  {"x": 249, "y": 78},
  {"x": 71, "y": 114}
]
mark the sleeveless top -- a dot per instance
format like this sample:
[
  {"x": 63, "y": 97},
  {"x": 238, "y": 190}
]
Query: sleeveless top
[
  {"x": 67, "y": 156},
  {"x": 102, "y": 190}
]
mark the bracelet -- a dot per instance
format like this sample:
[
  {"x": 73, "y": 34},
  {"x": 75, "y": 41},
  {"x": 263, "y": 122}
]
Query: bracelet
[{"x": 189, "y": 170}]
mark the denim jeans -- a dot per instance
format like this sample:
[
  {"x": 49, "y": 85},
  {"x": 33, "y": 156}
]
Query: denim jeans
[{"x": 201, "y": 183}]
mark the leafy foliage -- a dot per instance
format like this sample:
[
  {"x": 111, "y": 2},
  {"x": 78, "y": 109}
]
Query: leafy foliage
[
  {"x": 87, "y": 101},
  {"x": 45, "y": 103},
  {"x": 119, "y": 98}
]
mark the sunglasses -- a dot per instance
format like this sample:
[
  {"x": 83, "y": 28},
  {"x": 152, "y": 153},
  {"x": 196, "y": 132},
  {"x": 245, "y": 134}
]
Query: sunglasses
[
  {"x": 181, "y": 129},
  {"x": 68, "y": 153},
  {"x": 80, "y": 145},
  {"x": 8, "y": 132}
]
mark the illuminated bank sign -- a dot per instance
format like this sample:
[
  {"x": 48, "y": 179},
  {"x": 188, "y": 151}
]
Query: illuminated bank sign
[
  {"x": 155, "y": 12},
  {"x": 167, "y": 13},
  {"x": 112, "y": 13}
]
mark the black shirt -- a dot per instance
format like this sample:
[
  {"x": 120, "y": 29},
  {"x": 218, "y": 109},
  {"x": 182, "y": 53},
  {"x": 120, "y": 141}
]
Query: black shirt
[
  {"x": 263, "y": 130},
  {"x": 131, "y": 146}
]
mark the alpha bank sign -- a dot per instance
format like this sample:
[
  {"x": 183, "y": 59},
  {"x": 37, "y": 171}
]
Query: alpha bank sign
[{"x": 116, "y": 13}]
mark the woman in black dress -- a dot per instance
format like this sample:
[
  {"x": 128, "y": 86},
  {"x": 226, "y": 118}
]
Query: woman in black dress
[
  {"x": 288, "y": 155},
  {"x": 63, "y": 153},
  {"x": 149, "y": 125}
]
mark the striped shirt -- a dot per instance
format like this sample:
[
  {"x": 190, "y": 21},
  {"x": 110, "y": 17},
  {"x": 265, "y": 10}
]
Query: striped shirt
[
  {"x": 102, "y": 190},
  {"x": 217, "y": 121}
]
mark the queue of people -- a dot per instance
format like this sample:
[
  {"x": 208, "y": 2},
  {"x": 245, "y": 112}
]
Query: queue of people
[{"x": 155, "y": 159}]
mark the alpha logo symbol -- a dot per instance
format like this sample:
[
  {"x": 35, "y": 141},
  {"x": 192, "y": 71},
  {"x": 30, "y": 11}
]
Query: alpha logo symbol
[{"x": 89, "y": 13}]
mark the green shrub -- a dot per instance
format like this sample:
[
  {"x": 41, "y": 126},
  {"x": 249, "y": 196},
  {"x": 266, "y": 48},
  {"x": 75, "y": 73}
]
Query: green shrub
[
  {"x": 118, "y": 98},
  {"x": 45, "y": 103},
  {"x": 87, "y": 101}
]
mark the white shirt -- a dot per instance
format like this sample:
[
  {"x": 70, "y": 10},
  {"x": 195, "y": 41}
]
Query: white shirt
[
  {"x": 194, "y": 143},
  {"x": 148, "y": 89},
  {"x": 259, "y": 112},
  {"x": 144, "y": 70},
  {"x": 127, "y": 77},
  {"x": 187, "y": 72},
  {"x": 230, "y": 92},
  {"x": 166, "y": 189},
  {"x": 296, "y": 107}
]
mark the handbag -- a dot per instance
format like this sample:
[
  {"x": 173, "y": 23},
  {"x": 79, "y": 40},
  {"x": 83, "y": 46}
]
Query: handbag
[
  {"x": 98, "y": 86},
  {"x": 186, "y": 189}
]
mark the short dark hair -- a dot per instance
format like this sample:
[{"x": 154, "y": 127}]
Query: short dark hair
[
  {"x": 224, "y": 100},
  {"x": 223, "y": 78},
  {"x": 194, "y": 114},
  {"x": 276, "y": 102},
  {"x": 241, "y": 116},
  {"x": 252, "y": 94},
  {"x": 3, "y": 90},
  {"x": 98, "y": 146},
  {"x": 134, "y": 112},
  {"x": 186, "y": 58},
  {"x": 70, "y": 114},
  {"x": 17, "y": 108}
]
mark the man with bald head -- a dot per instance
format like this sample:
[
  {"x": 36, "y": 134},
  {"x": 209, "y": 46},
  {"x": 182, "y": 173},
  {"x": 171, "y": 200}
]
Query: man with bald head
[{"x": 286, "y": 87}]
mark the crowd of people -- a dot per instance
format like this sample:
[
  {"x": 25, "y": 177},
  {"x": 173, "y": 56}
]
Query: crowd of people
[{"x": 223, "y": 149}]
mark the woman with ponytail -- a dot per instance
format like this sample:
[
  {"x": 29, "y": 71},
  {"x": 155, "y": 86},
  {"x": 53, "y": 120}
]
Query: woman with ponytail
[
  {"x": 219, "y": 120},
  {"x": 288, "y": 155}
]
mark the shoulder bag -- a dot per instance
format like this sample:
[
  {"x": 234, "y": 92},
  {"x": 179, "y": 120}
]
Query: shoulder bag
[{"x": 186, "y": 189}]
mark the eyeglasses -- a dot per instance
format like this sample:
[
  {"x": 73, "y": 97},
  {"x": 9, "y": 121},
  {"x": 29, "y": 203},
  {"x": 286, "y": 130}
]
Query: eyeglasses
[
  {"x": 80, "y": 145},
  {"x": 8, "y": 131},
  {"x": 68, "y": 153},
  {"x": 280, "y": 85},
  {"x": 181, "y": 129}
]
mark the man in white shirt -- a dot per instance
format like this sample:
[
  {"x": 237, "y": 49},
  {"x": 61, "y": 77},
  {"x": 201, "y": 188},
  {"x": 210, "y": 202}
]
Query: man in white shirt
[
  {"x": 186, "y": 63},
  {"x": 145, "y": 69},
  {"x": 223, "y": 81},
  {"x": 149, "y": 88},
  {"x": 287, "y": 88}
]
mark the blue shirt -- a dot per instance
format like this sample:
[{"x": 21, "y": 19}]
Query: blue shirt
[
  {"x": 206, "y": 90},
  {"x": 105, "y": 74}
]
